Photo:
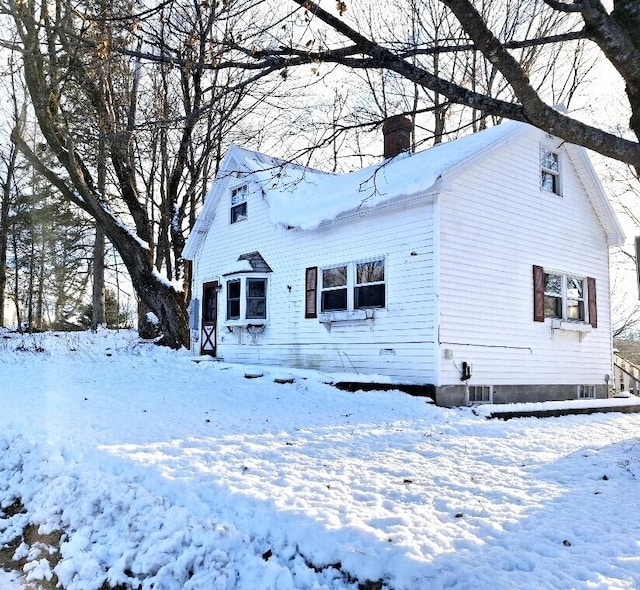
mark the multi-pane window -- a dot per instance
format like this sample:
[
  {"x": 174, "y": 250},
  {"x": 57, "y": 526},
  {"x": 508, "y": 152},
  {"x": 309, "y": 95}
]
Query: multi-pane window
[
  {"x": 549, "y": 171},
  {"x": 233, "y": 300},
  {"x": 575, "y": 298},
  {"x": 369, "y": 289},
  {"x": 334, "y": 289},
  {"x": 359, "y": 285},
  {"x": 586, "y": 391},
  {"x": 552, "y": 295},
  {"x": 479, "y": 394},
  {"x": 247, "y": 299},
  {"x": 239, "y": 204},
  {"x": 564, "y": 297},
  {"x": 256, "y": 298}
]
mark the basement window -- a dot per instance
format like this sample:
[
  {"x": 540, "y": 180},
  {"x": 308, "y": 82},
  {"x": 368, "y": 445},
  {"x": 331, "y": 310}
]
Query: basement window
[
  {"x": 480, "y": 394},
  {"x": 586, "y": 391}
]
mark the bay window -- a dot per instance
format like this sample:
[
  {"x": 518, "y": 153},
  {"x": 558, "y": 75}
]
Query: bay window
[
  {"x": 233, "y": 300},
  {"x": 256, "y": 298},
  {"x": 246, "y": 299}
]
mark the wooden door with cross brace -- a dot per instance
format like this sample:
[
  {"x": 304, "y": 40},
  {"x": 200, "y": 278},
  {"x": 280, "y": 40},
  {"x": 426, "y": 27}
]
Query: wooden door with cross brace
[{"x": 208, "y": 340}]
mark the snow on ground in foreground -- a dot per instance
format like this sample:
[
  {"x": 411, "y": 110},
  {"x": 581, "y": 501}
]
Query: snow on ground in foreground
[{"x": 183, "y": 475}]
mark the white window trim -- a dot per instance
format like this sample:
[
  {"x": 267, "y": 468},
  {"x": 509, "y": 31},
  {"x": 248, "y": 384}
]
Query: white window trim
[
  {"x": 243, "y": 320},
  {"x": 564, "y": 320},
  {"x": 233, "y": 191},
  {"x": 351, "y": 312},
  {"x": 557, "y": 174}
]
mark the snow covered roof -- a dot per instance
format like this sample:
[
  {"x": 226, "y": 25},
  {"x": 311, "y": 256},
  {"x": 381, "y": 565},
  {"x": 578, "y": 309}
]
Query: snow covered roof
[
  {"x": 305, "y": 198},
  {"x": 256, "y": 261}
]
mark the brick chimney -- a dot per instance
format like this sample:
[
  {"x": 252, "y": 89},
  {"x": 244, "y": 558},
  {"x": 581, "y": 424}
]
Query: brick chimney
[{"x": 397, "y": 135}]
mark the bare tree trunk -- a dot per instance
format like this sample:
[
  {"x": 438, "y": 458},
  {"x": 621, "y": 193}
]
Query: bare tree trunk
[
  {"x": 4, "y": 227},
  {"x": 97, "y": 299},
  {"x": 39, "y": 307},
  {"x": 98, "y": 296},
  {"x": 16, "y": 289},
  {"x": 32, "y": 273}
]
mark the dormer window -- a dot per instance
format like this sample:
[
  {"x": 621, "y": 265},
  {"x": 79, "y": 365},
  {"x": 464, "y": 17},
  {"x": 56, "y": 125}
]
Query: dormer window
[
  {"x": 549, "y": 171},
  {"x": 239, "y": 204}
]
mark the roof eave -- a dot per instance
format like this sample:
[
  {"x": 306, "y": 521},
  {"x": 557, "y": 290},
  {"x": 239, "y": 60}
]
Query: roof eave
[{"x": 595, "y": 191}]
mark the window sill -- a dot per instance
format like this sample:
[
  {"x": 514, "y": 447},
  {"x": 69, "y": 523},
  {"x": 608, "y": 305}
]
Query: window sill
[
  {"x": 328, "y": 318},
  {"x": 581, "y": 328},
  {"x": 255, "y": 323}
]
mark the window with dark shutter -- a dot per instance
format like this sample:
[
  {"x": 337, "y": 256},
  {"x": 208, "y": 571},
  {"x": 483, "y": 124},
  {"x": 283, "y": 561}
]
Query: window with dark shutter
[
  {"x": 538, "y": 293},
  {"x": 311, "y": 298},
  {"x": 593, "y": 307},
  {"x": 564, "y": 297}
]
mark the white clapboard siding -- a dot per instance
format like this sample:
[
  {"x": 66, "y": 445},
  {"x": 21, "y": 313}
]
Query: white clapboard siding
[
  {"x": 459, "y": 268},
  {"x": 495, "y": 224},
  {"x": 399, "y": 342}
]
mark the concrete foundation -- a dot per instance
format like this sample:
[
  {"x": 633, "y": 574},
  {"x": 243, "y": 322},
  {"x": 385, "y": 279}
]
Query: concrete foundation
[{"x": 456, "y": 395}]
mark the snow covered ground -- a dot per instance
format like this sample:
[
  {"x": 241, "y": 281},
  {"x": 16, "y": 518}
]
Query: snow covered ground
[{"x": 165, "y": 473}]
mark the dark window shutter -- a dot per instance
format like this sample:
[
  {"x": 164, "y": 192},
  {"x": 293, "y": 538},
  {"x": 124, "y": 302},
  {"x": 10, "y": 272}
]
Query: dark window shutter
[
  {"x": 538, "y": 294},
  {"x": 593, "y": 307},
  {"x": 311, "y": 299}
]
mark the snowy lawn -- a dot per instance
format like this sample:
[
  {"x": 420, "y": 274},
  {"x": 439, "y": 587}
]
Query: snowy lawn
[{"x": 163, "y": 473}]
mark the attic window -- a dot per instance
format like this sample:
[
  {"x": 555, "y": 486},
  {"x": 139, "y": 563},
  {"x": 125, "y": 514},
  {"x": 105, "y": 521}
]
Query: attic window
[
  {"x": 549, "y": 171},
  {"x": 239, "y": 204}
]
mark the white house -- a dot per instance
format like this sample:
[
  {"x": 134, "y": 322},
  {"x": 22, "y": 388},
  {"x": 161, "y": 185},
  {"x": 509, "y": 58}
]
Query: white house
[{"x": 478, "y": 268}]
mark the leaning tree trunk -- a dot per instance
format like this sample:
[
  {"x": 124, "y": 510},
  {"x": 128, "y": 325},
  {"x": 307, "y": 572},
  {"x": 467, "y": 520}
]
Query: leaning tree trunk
[{"x": 155, "y": 292}]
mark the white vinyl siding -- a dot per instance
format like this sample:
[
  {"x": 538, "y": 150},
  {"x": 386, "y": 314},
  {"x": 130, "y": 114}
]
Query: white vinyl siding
[
  {"x": 491, "y": 235},
  {"x": 398, "y": 341}
]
